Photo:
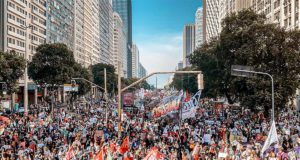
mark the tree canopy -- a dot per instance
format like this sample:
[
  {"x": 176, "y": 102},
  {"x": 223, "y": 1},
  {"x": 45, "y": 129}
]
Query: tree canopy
[
  {"x": 144, "y": 84},
  {"x": 98, "y": 73},
  {"x": 11, "y": 69},
  {"x": 247, "y": 40},
  {"x": 52, "y": 64},
  {"x": 185, "y": 81},
  {"x": 81, "y": 72}
]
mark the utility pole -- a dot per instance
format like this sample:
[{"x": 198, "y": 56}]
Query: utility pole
[
  {"x": 105, "y": 96},
  {"x": 119, "y": 100},
  {"x": 26, "y": 70}
]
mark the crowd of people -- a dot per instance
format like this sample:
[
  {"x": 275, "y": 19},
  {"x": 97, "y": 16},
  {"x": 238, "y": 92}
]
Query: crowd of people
[{"x": 86, "y": 134}]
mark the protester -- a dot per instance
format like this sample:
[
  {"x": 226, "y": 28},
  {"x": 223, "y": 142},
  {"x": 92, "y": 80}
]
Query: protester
[{"x": 84, "y": 134}]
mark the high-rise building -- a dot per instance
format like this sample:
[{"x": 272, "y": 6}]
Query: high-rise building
[
  {"x": 142, "y": 71},
  {"x": 188, "y": 43},
  {"x": 211, "y": 18},
  {"x": 60, "y": 22},
  {"x": 23, "y": 29},
  {"x": 284, "y": 13},
  {"x": 14, "y": 16},
  {"x": 96, "y": 56},
  {"x": 180, "y": 65},
  {"x": 106, "y": 32},
  {"x": 199, "y": 27},
  {"x": 135, "y": 60},
  {"x": 226, "y": 7},
  {"x": 124, "y": 9},
  {"x": 119, "y": 45},
  {"x": 83, "y": 46}
]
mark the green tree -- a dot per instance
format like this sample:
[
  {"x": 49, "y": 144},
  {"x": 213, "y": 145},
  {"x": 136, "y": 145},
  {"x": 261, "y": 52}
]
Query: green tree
[
  {"x": 144, "y": 84},
  {"x": 82, "y": 72},
  {"x": 11, "y": 69},
  {"x": 247, "y": 40},
  {"x": 52, "y": 64},
  {"x": 185, "y": 81},
  {"x": 98, "y": 73}
]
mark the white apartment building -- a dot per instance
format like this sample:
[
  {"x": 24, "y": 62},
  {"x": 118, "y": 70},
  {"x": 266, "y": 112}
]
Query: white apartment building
[
  {"x": 23, "y": 29},
  {"x": 95, "y": 32},
  {"x": 16, "y": 15},
  {"x": 106, "y": 31},
  {"x": 285, "y": 13},
  {"x": 119, "y": 45},
  {"x": 211, "y": 17},
  {"x": 135, "y": 61},
  {"x": 199, "y": 27}
]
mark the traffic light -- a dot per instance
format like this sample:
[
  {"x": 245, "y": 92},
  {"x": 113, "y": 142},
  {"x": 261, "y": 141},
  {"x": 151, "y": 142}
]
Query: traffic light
[
  {"x": 200, "y": 81},
  {"x": 73, "y": 84},
  {"x": 4, "y": 86}
]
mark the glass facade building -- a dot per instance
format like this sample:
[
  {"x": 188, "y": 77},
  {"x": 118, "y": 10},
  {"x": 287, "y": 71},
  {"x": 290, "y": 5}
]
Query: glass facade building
[
  {"x": 60, "y": 22},
  {"x": 124, "y": 9}
]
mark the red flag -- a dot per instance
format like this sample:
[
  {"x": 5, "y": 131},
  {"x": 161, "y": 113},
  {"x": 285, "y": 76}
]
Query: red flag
[
  {"x": 113, "y": 147},
  {"x": 187, "y": 97},
  {"x": 100, "y": 155},
  {"x": 70, "y": 154},
  {"x": 125, "y": 145},
  {"x": 154, "y": 154}
]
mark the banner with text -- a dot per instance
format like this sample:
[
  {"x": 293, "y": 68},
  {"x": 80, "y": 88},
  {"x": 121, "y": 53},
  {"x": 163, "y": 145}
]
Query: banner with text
[
  {"x": 189, "y": 108},
  {"x": 168, "y": 105}
]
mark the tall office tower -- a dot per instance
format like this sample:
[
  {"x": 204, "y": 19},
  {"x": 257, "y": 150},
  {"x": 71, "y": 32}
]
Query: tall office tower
[
  {"x": 106, "y": 31},
  {"x": 199, "y": 27},
  {"x": 180, "y": 65},
  {"x": 188, "y": 43},
  {"x": 14, "y": 16},
  {"x": 135, "y": 61},
  {"x": 60, "y": 22},
  {"x": 211, "y": 18},
  {"x": 124, "y": 9},
  {"x": 119, "y": 45},
  {"x": 142, "y": 71}
]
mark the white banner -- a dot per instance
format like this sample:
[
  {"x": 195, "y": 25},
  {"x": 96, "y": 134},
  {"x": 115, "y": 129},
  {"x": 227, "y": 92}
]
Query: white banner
[
  {"x": 271, "y": 139},
  {"x": 189, "y": 108}
]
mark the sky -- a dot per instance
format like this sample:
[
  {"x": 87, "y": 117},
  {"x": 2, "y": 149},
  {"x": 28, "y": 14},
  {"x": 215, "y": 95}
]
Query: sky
[{"x": 157, "y": 27}]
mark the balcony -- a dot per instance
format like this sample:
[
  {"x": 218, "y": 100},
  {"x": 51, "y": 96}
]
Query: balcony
[
  {"x": 20, "y": 3},
  {"x": 40, "y": 4}
]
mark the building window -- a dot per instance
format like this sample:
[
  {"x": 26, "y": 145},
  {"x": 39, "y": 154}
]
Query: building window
[
  {"x": 11, "y": 40},
  {"x": 11, "y": 4}
]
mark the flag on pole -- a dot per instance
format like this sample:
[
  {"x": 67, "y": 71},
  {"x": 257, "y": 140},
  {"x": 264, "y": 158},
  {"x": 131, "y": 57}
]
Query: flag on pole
[
  {"x": 271, "y": 139},
  {"x": 154, "y": 154},
  {"x": 125, "y": 145},
  {"x": 187, "y": 97}
]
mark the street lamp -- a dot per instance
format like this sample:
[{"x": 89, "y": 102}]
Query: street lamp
[
  {"x": 239, "y": 71},
  {"x": 26, "y": 68}
]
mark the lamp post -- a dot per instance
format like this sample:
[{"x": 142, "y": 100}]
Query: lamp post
[
  {"x": 25, "y": 71},
  {"x": 261, "y": 73}
]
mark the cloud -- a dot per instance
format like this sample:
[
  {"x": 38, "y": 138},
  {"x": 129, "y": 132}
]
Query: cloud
[{"x": 160, "y": 53}]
